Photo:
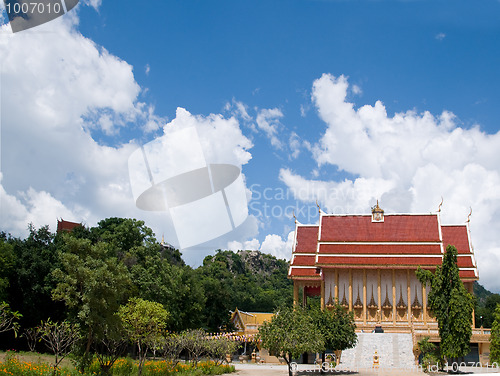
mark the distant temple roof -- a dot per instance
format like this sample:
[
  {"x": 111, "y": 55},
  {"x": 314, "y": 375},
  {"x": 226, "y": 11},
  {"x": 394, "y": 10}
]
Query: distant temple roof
[
  {"x": 66, "y": 226},
  {"x": 378, "y": 241},
  {"x": 249, "y": 322}
]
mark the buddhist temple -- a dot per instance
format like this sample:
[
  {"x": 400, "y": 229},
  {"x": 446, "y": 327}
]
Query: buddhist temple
[{"x": 367, "y": 263}]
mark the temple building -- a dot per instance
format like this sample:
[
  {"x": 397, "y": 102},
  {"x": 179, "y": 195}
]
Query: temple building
[{"x": 367, "y": 263}]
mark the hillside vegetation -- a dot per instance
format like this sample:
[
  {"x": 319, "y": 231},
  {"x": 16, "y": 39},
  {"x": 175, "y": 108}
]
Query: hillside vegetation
[{"x": 86, "y": 274}]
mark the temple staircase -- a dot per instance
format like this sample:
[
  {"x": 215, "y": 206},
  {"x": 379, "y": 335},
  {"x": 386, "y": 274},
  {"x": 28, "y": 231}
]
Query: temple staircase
[{"x": 395, "y": 350}]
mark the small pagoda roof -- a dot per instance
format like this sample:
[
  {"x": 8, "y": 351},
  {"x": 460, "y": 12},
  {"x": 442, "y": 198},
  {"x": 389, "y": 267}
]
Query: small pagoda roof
[{"x": 66, "y": 226}]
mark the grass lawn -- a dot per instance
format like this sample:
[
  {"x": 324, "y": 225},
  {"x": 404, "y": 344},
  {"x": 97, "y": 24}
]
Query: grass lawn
[{"x": 35, "y": 358}]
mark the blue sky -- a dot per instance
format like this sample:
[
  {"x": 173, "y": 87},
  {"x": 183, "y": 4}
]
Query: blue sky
[{"x": 351, "y": 101}]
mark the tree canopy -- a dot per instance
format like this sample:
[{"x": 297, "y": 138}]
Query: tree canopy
[
  {"x": 451, "y": 304},
  {"x": 495, "y": 338},
  {"x": 290, "y": 333},
  {"x": 144, "y": 322},
  {"x": 84, "y": 276}
]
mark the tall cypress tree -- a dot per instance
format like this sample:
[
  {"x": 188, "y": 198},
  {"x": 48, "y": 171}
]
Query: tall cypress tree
[
  {"x": 495, "y": 338},
  {"x": 451, "y": 304}
]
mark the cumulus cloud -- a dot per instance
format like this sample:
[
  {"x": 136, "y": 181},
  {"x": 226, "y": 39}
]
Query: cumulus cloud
[
  {"x": 408, "y": 161},
  {"x": 276, "y": 246},
  {"x": 249, "y": 245},
  {"x": 61, "y": 96}
]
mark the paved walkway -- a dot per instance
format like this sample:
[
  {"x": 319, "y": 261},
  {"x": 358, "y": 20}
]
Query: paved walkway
[{"x": 249, "y": 369}]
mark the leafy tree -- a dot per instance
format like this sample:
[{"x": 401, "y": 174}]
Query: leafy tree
[
  {"x": 31, "y": 281},
  {"x": 195, "y": 342},
  {"x": 430, "y": 354},
  {"x": 176, "y": 287},
  {"x": 143, "y": 322},
  {"x": 59, "y": 337},
  {"x": 218, "y": 348},
  {"x": 93, "y": 284},
  {"x": 172, "y": 347},
  {"x": 451, "y": 304},
  {"x": 109, "y": 346},
  {"x": 337, "y": 328},
  {"x": 249, "y": 280},
  {"x": 7, "y": 263},
  {"x": 123, "y": 234},
  {"x": 495, "y": 338},
  {"x": 8, "y": 319},
  {"x": 291, "y": 332},
  {"x": 485, "y": 313}
]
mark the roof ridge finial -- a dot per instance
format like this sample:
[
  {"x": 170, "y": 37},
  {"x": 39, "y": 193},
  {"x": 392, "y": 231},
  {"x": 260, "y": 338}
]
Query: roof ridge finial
[
  {"x": 319, "y": 209},
  {"x": 468, "y": 217},
  {"x": 441, "y": 204},
  {"x": 293, "y": 215}
]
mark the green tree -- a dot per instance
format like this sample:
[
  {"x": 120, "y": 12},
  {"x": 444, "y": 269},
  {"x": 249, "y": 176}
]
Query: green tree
[
  {"x": 31, "y": 281},
  {"x": 124, "y": 234},
  {"x": 485, "y": 313},
  {"x": 176, "y": 287},
  {"x": 495, "y": 338},
  {"x": 195, "y": 342},
  {"x": 290, "y": 333},
  {"x": 451, "y": 304},
  {"x": 7, "y": 263},
  {"x": 144, "y": 322},
  {"x": 219, "y": 348},
  {"x": 430, "y": 354},
  {"x": 9, "y": 320},
  {"x": 93, "y": 284},
  {"x": 249, "y": 280},
  {"x": 337, "y": 328}
]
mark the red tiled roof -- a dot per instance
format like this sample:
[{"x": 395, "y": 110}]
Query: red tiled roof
[
  {"x": 468, "y": 274},
  {"x": 364, "y": 261},
  {"x": 304, "y": 260},
  {"x": 357, "y": 242},
  {"x": 465, "y": 262},
  {"x": 395, "y": 228},
  {"x": 457, "y": 236},
  {"x": 63, "y": 225},
  {"x": 304, "y": 272},
  {"x": 307, "y": 239},
  {"x": 407, "y": 249}
]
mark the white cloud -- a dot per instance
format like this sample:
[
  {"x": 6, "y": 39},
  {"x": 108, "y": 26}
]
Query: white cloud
[
  {"x": 147, "y": 69},
  {"x": 356, "y": 90},
  {"x": 276, "y": 246},
  {"x": 408, "y": 161},
  {"x": 248, "y": 245},
  {"x": 440, "y": 36},
  {"x": 240, "y": 109},
  {"x": 294, "y": 144},
  {"x": 55, "y": 110},
  {"x": 268, "y": 121}
]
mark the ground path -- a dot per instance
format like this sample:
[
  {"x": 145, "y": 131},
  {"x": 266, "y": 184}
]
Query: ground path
[{"x": 304, "y": 369}]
